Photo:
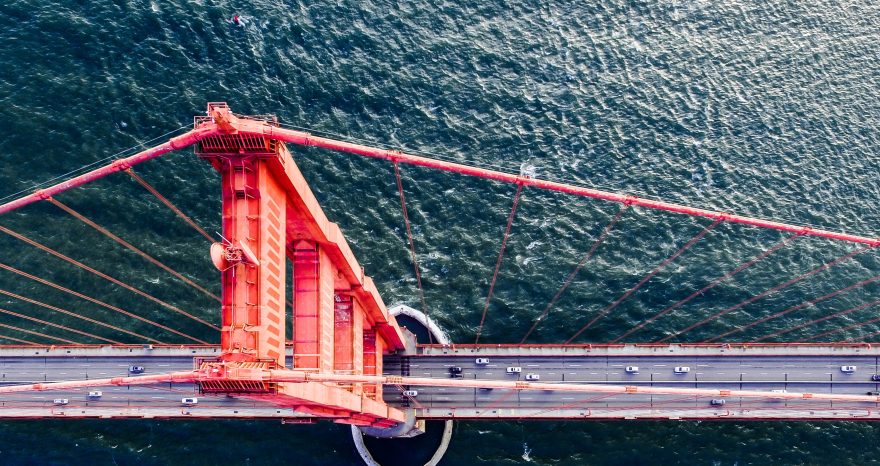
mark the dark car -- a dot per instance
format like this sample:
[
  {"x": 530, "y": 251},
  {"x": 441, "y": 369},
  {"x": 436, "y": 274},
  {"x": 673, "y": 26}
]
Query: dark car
[
  {"x": 874, "y": 393},
  {"x": 875, "y": 377},
  {"x": 455, "y": 372},
  {"x": 136, "y": 369}
]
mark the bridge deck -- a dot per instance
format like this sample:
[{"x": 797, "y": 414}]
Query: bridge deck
[
  {"x": 798, "y": 368},
  {"x": 795, "y": 368}
]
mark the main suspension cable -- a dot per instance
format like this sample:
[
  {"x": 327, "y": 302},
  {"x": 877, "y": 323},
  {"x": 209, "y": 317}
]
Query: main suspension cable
[
  {"x": 647, "y": 277},
  {"x": 90, "y": 165},
  {"x": 412, "y": 247},
  {"x": 510, "y": 217},
  {"x": 702, "y": 290},
  {"x": 106, "y": 277},
  {"x": 768, "y": 292},
  {"x": 62, "y": 327},
  {"x": 796, "y": 307},
  {"x": 132, "y": 248},
  {"x": 577, "y": 269},
  {"x": 169, "y": 204},
  {"x": 816, "y": 321},
  {"x": 102, "y": 304},
  {"x": 64, "y": 311}
]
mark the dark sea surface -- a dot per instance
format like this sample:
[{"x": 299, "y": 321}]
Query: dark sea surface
[{"x": 754, "y": 107}]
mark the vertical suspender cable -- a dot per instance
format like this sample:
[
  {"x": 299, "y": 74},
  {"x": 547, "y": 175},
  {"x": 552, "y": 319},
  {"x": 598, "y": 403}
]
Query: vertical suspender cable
[
  {"x": 510, "y": 217},
  {"x": 799, "y": 306},
  {"x": 816, "y": 321},
  {"x": 702, "y": 290},
  {"x": 132, "y": 248},
  {"x": 412, "y": 247},
  {"x": 27, "y": 342},
  {"x": 62, "y": 327},
  {"x": 649, "y": 276},
  {"x": 100, "y": 303},
  {"x": 168, "y": 203},
  {"x": 577, "y": 269},
  {"x": 768, "y": 292},
  {"x": 31, "y": 332},
  {"x": 106, "y": 277},
  {"x": 848, "y": 327},
  {"x": 72, "y": 314}
]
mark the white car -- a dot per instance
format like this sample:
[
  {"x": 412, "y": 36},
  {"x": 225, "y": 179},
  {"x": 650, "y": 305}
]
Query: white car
[
  {"x": 411, "y": 393},
  {"x": 779, "y": 390},
  {"x": 847, "y": 369},
  {"x": 189, "y": 401},
  {"x": 60, "y": 401},
  {"x": 681, "y": 369},
  {"x": 514, "y": 370},
  {"x": 632, "y": 369},
  {"x": 96, "y": 394},
  {"x": 482, "y": 361},
  {"x": 533, "y": 377}
]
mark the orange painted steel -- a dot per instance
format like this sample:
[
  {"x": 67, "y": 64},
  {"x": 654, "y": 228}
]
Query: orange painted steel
[
  {"x": 306, "y": 310},
  {"x": 62, "y": 327},
  {"x": 306, "y": 139},
  {"x": 254, "y": 220},
  {"x": 169, "y": 204},
  {"x": 131, "y": 247},
  {"x": 184, "y": 140},
  {"x": 87, "y": 298},
  {"x": 270, "y": 214},
  {"x": 112, "y": 280}
]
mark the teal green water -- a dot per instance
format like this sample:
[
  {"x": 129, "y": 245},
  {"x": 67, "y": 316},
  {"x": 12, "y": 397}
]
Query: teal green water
[{"x": 761, "y": 108}]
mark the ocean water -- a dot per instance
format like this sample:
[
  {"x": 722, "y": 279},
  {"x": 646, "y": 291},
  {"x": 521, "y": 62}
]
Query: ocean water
[{"x": 765, "y": 108}]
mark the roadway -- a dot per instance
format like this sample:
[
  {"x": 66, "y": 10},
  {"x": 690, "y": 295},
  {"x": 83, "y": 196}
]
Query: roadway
[
  {"x": 146, "y": 401},
  {"x": 795, "y": 369},
  {"x": 760, "y": 371}
]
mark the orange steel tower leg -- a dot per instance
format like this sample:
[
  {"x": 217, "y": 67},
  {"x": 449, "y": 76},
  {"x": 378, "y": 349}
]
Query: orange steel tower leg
[{"x": 340, "y": 324}]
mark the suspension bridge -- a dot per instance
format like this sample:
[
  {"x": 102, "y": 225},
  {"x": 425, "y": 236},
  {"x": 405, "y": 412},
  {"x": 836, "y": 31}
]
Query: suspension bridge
[{"x": 346, "y": 359}]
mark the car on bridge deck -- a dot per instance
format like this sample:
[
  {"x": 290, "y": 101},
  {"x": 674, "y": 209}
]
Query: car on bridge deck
[
  {"x": 481, "y": 361},
  {"x": 60, "y": 401},
  {"x": 632, "y": 369},
  {"x": 95, "y": 394},
  {"x": 455, "y": 372},
  {"x": 410, "y": 393},
  {"x": 847, "y": 369},
  {"x": 533, "y": 377},
  {"x": 875, "y": 377},
  {"x": 514, "y": 370},
  {"x": 717, "y": 402},
  {"x": 189, "y": 401},
  {"x": 874, "y": 393},
  {"x": 136, "y": 369},
  {"x": 681, "y": 369}
]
